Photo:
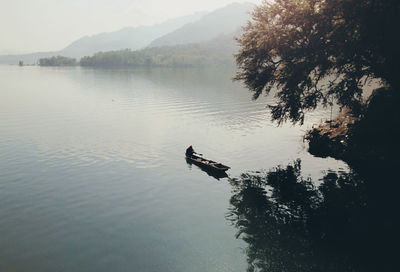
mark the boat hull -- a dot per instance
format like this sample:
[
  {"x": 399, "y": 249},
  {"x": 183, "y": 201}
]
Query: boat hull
[{"x": 207, "y": 164}]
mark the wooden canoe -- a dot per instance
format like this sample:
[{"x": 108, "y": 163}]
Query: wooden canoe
[{"x": 208, "y": 164}]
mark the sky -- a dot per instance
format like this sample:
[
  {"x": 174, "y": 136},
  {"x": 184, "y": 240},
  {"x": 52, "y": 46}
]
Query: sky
[{"x": 50, "y": 25}]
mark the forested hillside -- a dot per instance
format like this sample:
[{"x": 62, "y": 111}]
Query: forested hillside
[{"x": 216, "y": 52}]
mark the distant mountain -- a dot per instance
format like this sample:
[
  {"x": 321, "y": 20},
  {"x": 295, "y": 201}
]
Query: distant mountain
[
  {"x": 129, "y": 37},
  {"x": 201, "y": 38},
  {"x": 220, "y": 22},
  {"x": 31, "y": 58}
]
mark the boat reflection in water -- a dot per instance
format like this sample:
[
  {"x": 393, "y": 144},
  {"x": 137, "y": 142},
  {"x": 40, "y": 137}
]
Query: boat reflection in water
[{"x": 214, "y": 169}]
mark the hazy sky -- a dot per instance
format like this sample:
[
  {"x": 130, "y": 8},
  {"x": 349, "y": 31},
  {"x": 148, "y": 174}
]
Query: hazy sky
[{"x": 48, "y": 25}]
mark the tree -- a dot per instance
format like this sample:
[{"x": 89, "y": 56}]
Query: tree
[
  {"x": 312, "y": 52},
  {"x": 57, "y": 61}
]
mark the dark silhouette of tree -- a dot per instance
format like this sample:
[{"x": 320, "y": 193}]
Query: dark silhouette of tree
[
  {"x": 312, "y": 51},
  {"x": 290, "y": 224}
]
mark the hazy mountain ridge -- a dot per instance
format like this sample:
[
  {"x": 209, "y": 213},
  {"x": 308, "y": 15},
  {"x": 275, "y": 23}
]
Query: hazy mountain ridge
[
  {"x": 30, "y": 58},
  {"x": 219, "y": 22},
  {"x": 199, "y": 33},
  {"x": 129, "y": 37}
]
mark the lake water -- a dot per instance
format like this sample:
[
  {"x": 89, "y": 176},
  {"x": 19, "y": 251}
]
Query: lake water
[{"x": 93, "y": 175}]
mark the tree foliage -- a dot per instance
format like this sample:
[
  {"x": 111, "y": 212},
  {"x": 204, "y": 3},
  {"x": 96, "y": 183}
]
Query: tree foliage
[
  {"x": 313, "y": 52},
  {"x": 57, "y": 61}
]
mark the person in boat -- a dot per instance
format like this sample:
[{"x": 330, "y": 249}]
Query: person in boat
[{"x": 190, "y": 151}]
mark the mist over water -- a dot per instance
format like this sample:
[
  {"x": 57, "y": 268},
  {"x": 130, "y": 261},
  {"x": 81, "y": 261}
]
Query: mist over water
[{"x": 93, "y": 175}]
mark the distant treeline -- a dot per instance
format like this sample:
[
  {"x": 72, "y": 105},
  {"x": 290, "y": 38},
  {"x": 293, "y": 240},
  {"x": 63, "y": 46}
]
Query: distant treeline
[
  {"x": 58, "y": 61},
  {"x": 218, "y": 52},
  {"x": 174, "y": 56}
]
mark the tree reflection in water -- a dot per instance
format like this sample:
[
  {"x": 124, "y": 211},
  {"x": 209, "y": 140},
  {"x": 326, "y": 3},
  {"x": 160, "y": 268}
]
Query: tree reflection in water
[{"x": 290, "y": 224}]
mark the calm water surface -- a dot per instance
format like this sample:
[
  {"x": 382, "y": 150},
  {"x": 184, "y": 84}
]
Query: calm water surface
[{"x": 93, "y": 175}]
